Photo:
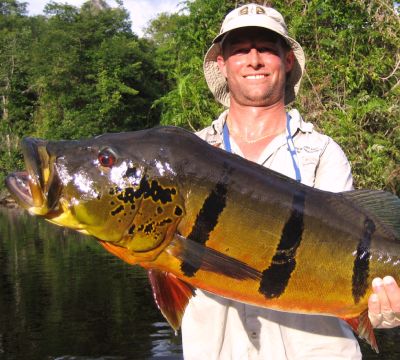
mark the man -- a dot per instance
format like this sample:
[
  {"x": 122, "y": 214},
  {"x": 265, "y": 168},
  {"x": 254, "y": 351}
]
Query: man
[{"x": 254, "y": 68}]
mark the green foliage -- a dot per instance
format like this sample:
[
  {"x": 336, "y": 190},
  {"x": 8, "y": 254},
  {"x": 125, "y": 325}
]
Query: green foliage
[
  {"x": 351, "y": 88},
  {"x": 181, "y": 42},
  {"x": 93, "y": 74}
]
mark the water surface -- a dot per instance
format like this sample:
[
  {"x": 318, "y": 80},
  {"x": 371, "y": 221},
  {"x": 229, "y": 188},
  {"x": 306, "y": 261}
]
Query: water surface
[{"x": 62, "y": 296}]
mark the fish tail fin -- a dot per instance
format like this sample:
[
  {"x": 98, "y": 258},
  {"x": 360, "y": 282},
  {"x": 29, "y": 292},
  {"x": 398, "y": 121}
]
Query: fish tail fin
[
  {"x": 171, "y": 295},
  {"x": 363, "y": 328}
]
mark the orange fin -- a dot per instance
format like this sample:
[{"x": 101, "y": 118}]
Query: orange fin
[
  {"x": 122, "y": 253},
  {"x": 363, "y": 328},
  {"x": 171, "y": 295}
]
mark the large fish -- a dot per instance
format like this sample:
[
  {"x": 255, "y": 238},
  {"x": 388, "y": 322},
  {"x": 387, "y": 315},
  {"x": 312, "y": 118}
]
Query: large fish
[{"x": 198, "y": 217}]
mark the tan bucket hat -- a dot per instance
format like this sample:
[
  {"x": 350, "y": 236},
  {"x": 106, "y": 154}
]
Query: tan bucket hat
[{"x": 258, "y": 16}]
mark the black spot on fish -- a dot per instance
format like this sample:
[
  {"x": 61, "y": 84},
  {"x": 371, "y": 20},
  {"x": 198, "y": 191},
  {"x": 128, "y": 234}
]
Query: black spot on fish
[
  {"x": 205, "y": 222},
  {"x": 361, "y": 262},
  {"x": 115, "y": 190},
  {"x": 276, "y": 277},
  {"x": 131, "y": 230},
  {"x": 178, "y": 211},
  {"x": 159, "y": 210},
  {"x": 154, "y": 191},
  {"x": 148, "y": 229},
  {"x": 117, "y": 210},
  {"x": 127, "y": 195},
  {"x": 130, "y": 172},
  {"x": 165, "y": 221}
]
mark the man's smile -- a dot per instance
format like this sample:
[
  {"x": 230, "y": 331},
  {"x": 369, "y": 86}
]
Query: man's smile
[{"x": 255, "y": 76}]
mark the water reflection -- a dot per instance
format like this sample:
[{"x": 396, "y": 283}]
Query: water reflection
[{"x": 63, "y": 297}]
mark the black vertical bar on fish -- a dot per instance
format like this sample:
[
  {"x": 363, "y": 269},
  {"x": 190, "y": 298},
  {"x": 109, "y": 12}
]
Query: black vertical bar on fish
[
  {"x": 276, "y": 277},
  {"x": 361, "y": 262},
  {"x": 205, "y": 222}
]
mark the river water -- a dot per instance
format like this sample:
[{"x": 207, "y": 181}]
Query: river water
[{"x": 62, "y": 296}]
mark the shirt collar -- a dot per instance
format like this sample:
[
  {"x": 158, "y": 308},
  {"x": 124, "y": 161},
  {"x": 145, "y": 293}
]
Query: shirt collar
[{"x": 296, "y": 123}]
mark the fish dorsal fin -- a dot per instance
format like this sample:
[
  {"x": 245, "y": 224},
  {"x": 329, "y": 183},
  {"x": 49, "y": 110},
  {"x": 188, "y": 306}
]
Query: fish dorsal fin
[
  {"x": 171, "y": 295},
  {"x": 382, "y": 204}
]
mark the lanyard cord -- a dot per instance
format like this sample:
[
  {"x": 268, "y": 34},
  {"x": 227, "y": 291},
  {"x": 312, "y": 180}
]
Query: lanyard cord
[
  {"x": 292, "y": 149},
  {"x": 289, "y": 141}
]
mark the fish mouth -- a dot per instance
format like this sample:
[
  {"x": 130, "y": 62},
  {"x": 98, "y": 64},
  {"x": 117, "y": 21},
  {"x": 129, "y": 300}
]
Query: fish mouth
[
  {"x": 18, "y": 185},
  {"x": 37, "y": 188}
]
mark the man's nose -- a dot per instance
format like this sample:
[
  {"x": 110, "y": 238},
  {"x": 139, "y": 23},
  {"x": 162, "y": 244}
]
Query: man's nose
[{"x": 254, "y": 58}]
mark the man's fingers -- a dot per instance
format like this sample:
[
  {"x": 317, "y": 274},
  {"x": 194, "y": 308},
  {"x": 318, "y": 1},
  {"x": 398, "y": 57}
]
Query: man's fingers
[
  {"x": 374, "y": 310},
  {"x": 384, "y": 303},
  {"x": 392, "y": 293},
  {"x": 380, "y": 290}
]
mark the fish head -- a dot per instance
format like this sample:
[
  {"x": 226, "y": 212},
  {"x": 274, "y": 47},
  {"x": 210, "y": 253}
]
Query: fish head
[{"x": 107, "y": 186}]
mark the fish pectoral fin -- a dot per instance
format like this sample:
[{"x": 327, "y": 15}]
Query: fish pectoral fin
[
  {"x": 363, "y": 328},
  {"x": 195, "y": 256},
  {"x": 171, "y": 295}
]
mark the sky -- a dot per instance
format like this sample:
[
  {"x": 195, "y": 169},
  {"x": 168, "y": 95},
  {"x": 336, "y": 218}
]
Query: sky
[{"x": 141, "y": 11}]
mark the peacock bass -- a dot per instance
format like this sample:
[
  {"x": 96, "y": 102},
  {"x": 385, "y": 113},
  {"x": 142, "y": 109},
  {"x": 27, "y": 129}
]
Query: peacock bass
[{"x": 198, "y": 217}]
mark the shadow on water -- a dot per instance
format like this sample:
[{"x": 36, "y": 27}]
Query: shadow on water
[{"x": 63, "y": 297}]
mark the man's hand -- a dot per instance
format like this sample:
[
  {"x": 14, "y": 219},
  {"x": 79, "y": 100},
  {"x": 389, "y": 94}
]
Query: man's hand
[{"x": 384, "y": 303}]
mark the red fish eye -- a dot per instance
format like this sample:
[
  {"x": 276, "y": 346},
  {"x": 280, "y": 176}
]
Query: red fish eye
[{"x": 106, "y": 158}]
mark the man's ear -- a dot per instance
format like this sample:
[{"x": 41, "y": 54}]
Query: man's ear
[
  {"x": 221, "y": 64},
  {"x": 289, "y": 61}
]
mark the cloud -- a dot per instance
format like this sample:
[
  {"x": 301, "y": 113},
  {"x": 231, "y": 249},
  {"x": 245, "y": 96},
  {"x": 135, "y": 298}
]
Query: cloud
[{"x": 140, "y": 11}]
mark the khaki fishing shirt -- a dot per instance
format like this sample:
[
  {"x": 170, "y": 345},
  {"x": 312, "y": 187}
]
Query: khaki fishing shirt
[{"x": 215, "y": 328}]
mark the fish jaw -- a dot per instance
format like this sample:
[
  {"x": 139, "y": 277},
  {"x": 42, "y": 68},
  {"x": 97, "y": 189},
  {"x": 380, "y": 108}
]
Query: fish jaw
[{"x": 35, "y": 189}]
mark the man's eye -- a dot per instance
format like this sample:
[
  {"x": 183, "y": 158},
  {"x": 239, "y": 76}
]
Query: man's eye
[
  {"x": 241, "y": 51},
  {"x": 267, "y": 49}
]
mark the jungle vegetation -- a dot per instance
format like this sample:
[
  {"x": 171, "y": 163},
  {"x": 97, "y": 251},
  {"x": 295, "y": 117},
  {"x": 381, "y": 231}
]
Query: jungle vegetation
[{"x": 78, "y": 72}]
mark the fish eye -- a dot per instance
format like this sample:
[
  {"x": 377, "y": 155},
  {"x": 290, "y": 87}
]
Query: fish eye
[{"x": 107, "y": 158}]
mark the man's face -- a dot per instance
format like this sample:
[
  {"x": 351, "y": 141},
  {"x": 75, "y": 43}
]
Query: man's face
[{"x": 255, "y": 63}]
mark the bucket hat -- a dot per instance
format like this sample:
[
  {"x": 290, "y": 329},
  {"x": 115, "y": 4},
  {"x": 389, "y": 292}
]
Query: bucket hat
[{"x": 252, "y": 15}]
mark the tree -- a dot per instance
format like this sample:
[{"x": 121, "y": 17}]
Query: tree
[
  {"x": 92, "y": 73},
  {"x": 15, "y": 36}
]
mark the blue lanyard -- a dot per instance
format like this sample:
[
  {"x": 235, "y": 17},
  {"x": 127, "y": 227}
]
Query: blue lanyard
[
  {"x": 292, "y": 149},
  {"x": 289, "y": 141}
]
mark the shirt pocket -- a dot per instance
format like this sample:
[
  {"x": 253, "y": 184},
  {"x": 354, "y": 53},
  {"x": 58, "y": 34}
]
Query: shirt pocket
[{"x": 309, "y": 159}]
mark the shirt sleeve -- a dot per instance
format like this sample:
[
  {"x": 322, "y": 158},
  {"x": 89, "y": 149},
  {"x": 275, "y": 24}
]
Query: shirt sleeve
[{"x": 333, "y": 172}]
